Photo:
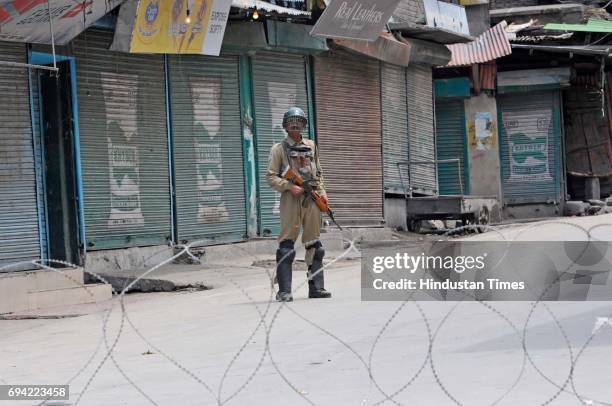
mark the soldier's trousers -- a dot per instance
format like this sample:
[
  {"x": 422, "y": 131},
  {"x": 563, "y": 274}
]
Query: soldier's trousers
[{"x": 295, "y": 217}]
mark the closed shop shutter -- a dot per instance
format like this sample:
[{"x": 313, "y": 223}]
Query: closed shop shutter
[
  {"x": 420, "y": 128},
  {"x": 394, "y": 127},
  {"x": 279, "y": 82},
  {"x": 451, "y": 144},
  {"x": 124, "y": 152},
  {"x": 530, "y": 147},
  {"x": 19, "y": 228},
  {"x": 348, "y": 110},
  {"x": 38, "y": 151},
  {"x": 207, "y": 148}
]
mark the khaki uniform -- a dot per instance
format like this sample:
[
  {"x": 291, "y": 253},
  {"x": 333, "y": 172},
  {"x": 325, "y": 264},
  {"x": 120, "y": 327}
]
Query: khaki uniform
[{"x": 293, "y": 215}]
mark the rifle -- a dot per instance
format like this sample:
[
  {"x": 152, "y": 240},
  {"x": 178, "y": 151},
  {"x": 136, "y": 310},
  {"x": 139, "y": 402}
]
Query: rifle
[{"x": 290, "y": 175}]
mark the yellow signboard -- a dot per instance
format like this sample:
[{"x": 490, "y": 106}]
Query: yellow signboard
[{"x": 180, "y": 26}]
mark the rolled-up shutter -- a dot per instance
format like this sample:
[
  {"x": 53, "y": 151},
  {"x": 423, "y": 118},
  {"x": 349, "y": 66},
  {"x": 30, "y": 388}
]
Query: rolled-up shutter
[
  {"x": 394, "y": 127},
  {"x": 451, "y": 144},
  {"x": 530, "y": 144},
  {"x": 207, "y": 148},
  {"x": 421, "y": 128},
  {"x": 348, "y": 110},
  {"x": 19, "y": 228},
  {"x": 124, "y": 153},
  {"x": 279, "y": 82}
]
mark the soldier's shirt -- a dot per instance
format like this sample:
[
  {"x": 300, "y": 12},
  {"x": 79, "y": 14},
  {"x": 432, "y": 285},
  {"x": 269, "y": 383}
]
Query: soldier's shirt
[{"x": 277, "y": 162}]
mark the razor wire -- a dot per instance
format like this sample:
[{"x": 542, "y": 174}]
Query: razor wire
[{"x": 267, "y": 324}]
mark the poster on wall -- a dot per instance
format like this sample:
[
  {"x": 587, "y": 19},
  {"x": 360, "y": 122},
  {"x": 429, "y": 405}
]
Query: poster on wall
[
  {"x": 173, "y": 26},
  {"x": 123, "y": 156},
  {"x": 207, "y": 150},
  {"x": 484, "y": 129},
  {"x": 528, "y": 134}
]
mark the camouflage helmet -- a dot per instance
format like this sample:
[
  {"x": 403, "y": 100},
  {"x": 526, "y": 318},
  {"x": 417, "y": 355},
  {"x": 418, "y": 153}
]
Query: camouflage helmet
[{"x": 295, "y": 113}]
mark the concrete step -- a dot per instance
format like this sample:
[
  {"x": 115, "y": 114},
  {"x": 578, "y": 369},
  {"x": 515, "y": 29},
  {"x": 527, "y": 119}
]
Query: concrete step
[
  {"x": 64, "y": 278},
  {"x": 15, "y": 286},
  {"x": 94, "y": 293}
]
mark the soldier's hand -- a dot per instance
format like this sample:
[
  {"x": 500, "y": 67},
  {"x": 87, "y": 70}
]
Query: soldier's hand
[{"x": 296, "y": 191}]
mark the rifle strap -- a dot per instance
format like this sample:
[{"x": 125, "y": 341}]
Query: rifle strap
[{"x": 286, "y": 151}]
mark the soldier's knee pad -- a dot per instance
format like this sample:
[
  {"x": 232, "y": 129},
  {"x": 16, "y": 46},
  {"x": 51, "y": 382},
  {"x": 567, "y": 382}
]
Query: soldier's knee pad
[
  {"x": 285, "y": 252},
  {"x": 319, "y": 252}
]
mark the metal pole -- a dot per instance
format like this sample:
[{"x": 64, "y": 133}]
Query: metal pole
[
  {"x": 399, "y": 169},
  {"x": 52, "y": 35},
  {"x": 602, "y": 84},
  {"x": 459, "y": 176},
  {"x": 27, "y": 65}
]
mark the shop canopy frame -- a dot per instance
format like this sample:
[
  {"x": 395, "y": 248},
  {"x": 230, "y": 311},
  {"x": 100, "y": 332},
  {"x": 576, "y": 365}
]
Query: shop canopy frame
[{"x": 53, "y": 68}]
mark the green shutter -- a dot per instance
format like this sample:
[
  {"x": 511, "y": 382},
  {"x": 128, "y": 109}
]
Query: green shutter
[
  {"x": 451, "y": 144},
  {"x": 530, "y": 147},
  {"x": 124, "y": 152},
  {"x": 279, "y": 82},
  {"x": 207, "y": 148}
]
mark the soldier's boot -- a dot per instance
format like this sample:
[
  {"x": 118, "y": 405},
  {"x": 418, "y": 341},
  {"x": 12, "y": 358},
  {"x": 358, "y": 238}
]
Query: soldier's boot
[
  {"x": 285, "y": 255},
  {"x": 316, "y": 289}
]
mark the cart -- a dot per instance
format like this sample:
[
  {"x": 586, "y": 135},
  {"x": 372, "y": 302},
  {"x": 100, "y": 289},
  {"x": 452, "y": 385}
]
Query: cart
[{"x": 469, "y": 209}]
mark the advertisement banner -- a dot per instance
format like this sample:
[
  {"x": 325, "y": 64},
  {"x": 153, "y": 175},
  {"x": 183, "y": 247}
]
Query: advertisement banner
[
  {"x": 180, "y": 26},
  {"x": 354, "y": 19},
  {"x": 123, "y": 154},
  {"x": 28, "y": 20}
]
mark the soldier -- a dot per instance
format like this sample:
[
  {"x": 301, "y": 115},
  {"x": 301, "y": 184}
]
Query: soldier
[{"x": 297, "y": 210}]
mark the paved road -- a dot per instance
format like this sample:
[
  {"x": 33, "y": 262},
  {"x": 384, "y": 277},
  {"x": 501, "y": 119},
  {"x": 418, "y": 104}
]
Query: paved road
[{"x": 231, "y": 343}]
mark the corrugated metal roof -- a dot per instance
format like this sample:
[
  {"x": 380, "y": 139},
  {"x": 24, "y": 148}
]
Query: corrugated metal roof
[
  {"x": 487, "y": 74},
  {"x": 602, "y": 26},
  {"x": 489, "y": 45},
  {"x": 265, "y": 6}
]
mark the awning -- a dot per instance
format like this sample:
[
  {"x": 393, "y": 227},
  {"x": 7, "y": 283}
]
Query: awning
[
  {"x": 602, "y": 50},
  {"x": 403, "y": 53},
  {"x": 28, "y": 21},
  {"x": 490, "y": 45},
  {"x": 600, "y": 26},
  {"x": 427, "y": 33},
  {"x": 265, "y": 6}
]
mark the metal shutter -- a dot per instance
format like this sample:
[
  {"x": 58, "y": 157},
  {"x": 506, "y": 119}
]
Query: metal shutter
[
  {"x": 279, "y": 82},
  {"x": 530, "y": 145},
  {"x": 394, "y": 126},
  {"x": 207, "y": 148},
  {"x": 348, "y": 107},
  {"x": 451, "y": 144},
  {"x": 38, "y": 151},
  {"x": 122, "y": 119},
  {"x": 420, "y": 127},
  {"x": 19, "y": 216}
]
